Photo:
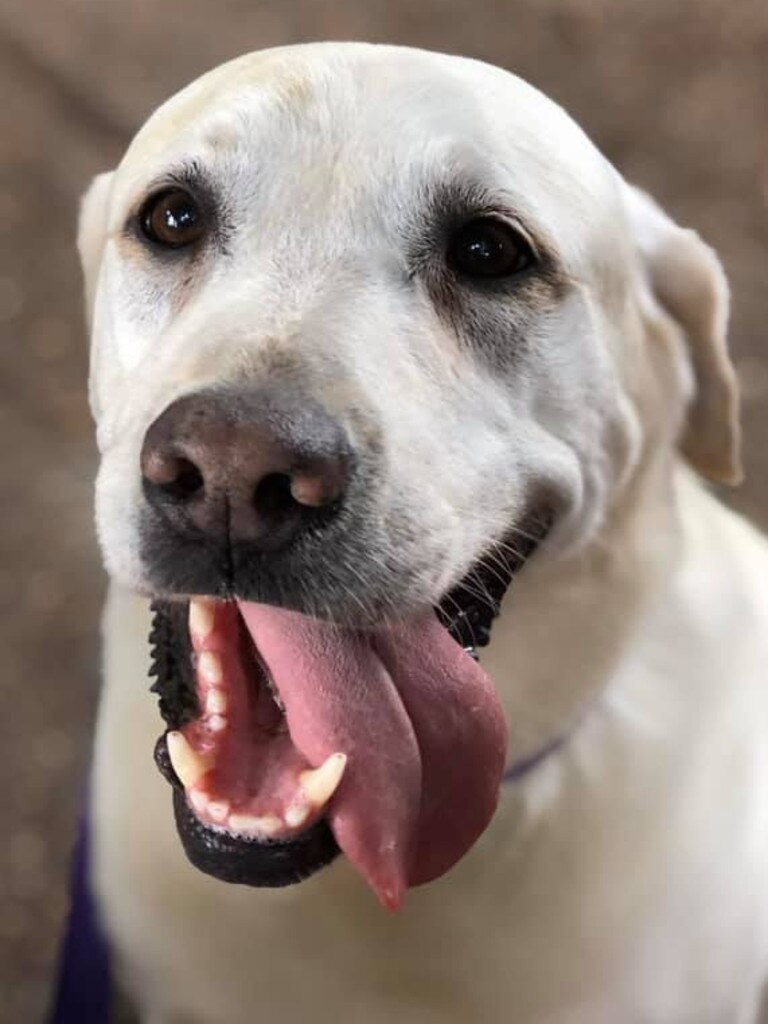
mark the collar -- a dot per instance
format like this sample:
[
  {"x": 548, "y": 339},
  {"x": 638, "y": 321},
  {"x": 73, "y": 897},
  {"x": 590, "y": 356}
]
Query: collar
[{"x": 519, "y": 769}]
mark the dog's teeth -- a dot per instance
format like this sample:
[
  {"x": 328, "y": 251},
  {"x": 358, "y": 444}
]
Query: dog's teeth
[
  {"x": 319, "y": 784},
  {"x": 218, "y": 809},
  {"x": 296, "y": 815},
  {"x": 209, "y": 667},
  {"x": 201, "y": 615},
  {"x": 249, "y": 824},
  {"x": 217, "y": 722},
  {"x": 187, "y": 763},
  {"x": 199, "y": 801},
  {"x": 269, "y": 825},
  {"x": 216, "y": 702}
]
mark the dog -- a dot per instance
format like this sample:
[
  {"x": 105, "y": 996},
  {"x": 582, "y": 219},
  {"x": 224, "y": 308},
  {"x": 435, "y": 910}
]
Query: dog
[{"x": 407, "y": 404}]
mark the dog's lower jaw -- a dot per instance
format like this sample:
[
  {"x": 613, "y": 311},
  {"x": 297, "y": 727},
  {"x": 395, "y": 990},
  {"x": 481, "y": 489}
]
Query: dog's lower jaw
[{"x": 267, "y": 864}]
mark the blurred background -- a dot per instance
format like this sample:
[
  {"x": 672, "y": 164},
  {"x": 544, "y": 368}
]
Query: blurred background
[{"x": 674, "y": 91}]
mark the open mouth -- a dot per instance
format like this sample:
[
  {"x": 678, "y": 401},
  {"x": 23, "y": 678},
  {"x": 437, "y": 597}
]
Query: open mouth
[{"x": 291, "y": 739}]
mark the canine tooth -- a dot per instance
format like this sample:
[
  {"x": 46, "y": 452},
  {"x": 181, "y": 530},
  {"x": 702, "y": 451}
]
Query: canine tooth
[
  {"x": 189, "y": 765},
  {"x": 199, "y": 801},
  {"x": 218, "y": 809},
  {"x": 249, "y": 824},
  {"x": 216, "y": 723},
  {"x": 216, "y": 702},
  {"x": 209, "y": 666},
  {"x": 200, "y": 617},
  {"x": 319, "y": 784},
  {"x": 296, "y": 815}
]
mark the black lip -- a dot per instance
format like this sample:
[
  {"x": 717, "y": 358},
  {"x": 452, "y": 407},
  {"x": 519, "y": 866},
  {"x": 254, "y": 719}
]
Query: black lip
[
  {"x": 250, "y": 862},
  {"x": 469, "y": 609}
]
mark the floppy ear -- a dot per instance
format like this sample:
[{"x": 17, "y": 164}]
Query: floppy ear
[
  {"x": 92, "y": 233},
  {"x": 687, "y": 281}
]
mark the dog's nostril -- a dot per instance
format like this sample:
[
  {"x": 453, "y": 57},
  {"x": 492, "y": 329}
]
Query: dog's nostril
[
  {"x": 273, "y": 498},
  {"x": 306, "y": 491},
  {"x": 189, "y": 481},
  {"x": 175, "y": 476}
]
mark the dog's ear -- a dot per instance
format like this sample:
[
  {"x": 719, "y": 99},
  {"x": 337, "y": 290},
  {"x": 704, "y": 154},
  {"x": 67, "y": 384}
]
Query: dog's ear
[
  {"x": 92, "y": 233},
  {"x": 685, "y": 278}
]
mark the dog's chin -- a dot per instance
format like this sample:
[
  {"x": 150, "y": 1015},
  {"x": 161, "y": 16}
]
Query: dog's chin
[{"x": 255, "y": 798}]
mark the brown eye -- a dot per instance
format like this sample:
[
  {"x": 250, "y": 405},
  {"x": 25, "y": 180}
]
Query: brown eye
[
  {"x": 172, "y": 218},
  {"x": 488, "y": 247}
]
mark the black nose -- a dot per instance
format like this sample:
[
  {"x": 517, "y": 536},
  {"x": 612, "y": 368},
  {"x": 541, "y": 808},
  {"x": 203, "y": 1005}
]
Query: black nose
[{"x": 249, "y": 467}]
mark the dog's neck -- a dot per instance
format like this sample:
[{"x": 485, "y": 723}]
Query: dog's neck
[{"x": 567, "y": 619}]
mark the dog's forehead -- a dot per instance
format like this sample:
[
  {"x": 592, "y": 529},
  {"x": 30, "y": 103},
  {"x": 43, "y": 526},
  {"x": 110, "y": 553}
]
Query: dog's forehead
[{"x": 377, "y": 107}]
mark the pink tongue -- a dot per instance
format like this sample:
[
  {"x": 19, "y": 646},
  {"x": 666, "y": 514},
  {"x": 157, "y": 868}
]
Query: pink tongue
[{"x": 420, "y": 724}]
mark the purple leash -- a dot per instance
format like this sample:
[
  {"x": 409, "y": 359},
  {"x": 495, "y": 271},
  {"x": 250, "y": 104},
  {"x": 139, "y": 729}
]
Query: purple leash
[{"x": 84, "y": 984}]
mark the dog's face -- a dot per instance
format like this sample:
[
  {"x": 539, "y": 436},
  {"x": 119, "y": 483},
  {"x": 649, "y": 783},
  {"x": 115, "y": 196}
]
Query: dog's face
[{"x": 418, "y": 293}]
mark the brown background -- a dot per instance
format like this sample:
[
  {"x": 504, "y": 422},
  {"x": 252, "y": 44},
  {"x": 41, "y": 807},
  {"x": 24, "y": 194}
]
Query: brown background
[{"x": 673, "y": 90}]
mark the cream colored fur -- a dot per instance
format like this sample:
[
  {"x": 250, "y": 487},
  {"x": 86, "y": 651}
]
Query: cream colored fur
[{"x": 625, "y": 879}]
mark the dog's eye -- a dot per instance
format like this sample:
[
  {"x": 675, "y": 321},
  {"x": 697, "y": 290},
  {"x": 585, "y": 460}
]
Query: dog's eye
[
  {"x": 488, "y": 247},
  {"x": 171, "y": 218}
]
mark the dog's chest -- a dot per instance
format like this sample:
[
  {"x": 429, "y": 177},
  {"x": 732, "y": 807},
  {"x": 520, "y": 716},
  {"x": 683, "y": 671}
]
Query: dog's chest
[{"x": 501, "y": 939}]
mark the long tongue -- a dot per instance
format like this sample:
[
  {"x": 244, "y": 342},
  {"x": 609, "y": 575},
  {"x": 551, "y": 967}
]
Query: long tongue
[{"x": 421, "y": 726}]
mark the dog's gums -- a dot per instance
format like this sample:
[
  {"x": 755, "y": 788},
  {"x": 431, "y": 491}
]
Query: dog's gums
[{"x": 290, "y": 738}]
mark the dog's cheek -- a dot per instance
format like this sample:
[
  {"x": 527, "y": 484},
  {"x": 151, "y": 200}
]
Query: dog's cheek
[
  {"x": 458, "y": 501},
  {"x": 116, "y": 396},
  {"x": 589, "y": 438},
  {"x": 133, "y": 309}
]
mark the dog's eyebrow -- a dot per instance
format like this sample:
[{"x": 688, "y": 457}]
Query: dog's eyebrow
[
  {"x": 189, "y": 174},
  {"x": 445, "y": 198}
]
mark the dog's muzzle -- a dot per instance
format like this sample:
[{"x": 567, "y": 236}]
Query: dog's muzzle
[{"x": 291, "y": 736}]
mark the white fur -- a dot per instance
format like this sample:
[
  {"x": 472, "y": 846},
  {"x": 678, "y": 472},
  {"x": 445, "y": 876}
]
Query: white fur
[{"x": 626, "y": 878}]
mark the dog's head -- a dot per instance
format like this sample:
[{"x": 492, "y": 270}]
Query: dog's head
[{"x": 368, "y": 321}]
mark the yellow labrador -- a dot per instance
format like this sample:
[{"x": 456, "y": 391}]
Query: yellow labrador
[{"x": 376, "y": 333}]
